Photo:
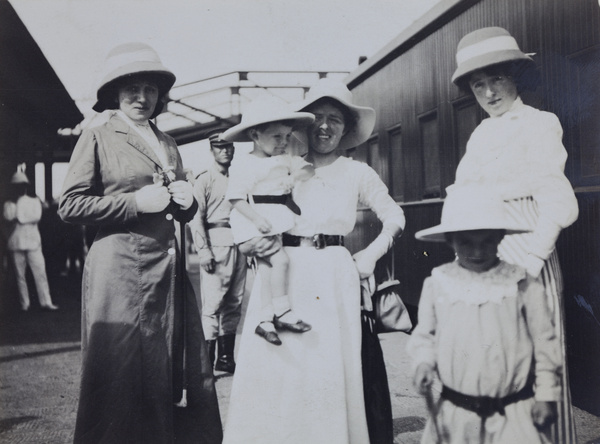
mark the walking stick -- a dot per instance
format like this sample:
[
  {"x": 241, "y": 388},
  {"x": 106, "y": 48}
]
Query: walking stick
[{"x": 182, "y": 271}]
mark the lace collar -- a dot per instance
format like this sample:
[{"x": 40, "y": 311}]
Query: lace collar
[{"x": 458, "y": 284}]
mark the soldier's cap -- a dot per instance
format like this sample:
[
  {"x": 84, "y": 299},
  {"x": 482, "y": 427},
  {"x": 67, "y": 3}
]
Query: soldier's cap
[{"x": 216, "y": 140}]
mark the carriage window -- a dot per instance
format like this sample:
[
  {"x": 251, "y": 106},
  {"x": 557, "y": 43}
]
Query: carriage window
[
  {"x": 397, "y": 163},
  {"x": 377, "y": 162},
  {"x": 466, "y": 119},
  {"x": 430, "y": 149}
]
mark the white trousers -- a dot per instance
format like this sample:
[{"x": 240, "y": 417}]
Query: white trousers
[{"x": 35, "y": 260}]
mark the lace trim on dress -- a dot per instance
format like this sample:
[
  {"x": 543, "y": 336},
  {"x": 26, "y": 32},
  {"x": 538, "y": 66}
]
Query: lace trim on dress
[{"x": 461, "y": 285}]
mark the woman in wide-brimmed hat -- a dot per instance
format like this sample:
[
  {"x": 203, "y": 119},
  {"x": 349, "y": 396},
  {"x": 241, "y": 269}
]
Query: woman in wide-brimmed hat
[
  {"x": 126, "y": 177},
  {"x": 483, "y": 326},
  {"x": 310, "y": 389},
  {"x": 518, "y": 151}
]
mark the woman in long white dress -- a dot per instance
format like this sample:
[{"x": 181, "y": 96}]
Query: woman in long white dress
[
  {"x": 518, "y": 151},
  {"x": 310, "y": 389}
]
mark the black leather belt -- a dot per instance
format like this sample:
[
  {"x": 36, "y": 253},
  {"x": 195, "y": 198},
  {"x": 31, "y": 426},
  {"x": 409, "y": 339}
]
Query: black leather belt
[
  {"x": 485, "y": 406},
  {"x": 282, "y": 199},
  {"x": 319, "y": 241},
  {"x": 210, "y": 225}
]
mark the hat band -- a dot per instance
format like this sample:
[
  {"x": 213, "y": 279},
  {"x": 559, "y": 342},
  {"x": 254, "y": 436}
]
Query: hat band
[
  {"x": 117, "y": 60},
  {"x": 487, "y": 46}
]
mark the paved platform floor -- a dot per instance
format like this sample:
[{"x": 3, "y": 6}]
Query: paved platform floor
[{"x": 39, "y": 374}]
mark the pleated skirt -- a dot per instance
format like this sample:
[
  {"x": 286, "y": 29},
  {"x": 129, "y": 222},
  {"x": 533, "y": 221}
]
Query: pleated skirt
[{"x": 513, "y": 249}]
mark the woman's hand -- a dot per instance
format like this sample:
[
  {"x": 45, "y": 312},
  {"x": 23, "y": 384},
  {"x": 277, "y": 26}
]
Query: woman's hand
[
  {"x": 423, "y": 378},
  {"x": 365, "y": 263},
  {"x": 543, "y": 413},
  {"x": 182, "y": 193},
  {"x": 152, "y": 198},
  {"x": 260, "y": 246}
]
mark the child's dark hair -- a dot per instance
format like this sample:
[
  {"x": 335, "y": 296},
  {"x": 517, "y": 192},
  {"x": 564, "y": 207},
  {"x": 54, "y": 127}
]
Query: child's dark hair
[
  {"x": 262, "y": 126},
  {"x": 522, "y": 72}
]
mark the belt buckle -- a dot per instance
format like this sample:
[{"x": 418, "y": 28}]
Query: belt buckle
[{"x": 319, "y": 241}]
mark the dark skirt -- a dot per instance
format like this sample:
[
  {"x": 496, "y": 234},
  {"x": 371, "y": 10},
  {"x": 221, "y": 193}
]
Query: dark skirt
[{"x": 378, "y": 404}]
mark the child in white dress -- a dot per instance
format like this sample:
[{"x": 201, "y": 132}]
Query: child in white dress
[
  {"x": 485, "y": 329},
  {"x": 259, "y": 189}
]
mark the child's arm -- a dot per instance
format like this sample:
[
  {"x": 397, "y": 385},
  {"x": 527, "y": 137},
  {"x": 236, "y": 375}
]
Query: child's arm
[
  {"x": 546, "y": 350},
  {"x": 262, "y": 224},
  {"x": 421, "y": 345}
]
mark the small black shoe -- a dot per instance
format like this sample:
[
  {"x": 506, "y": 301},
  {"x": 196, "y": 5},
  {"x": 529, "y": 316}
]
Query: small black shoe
[
  {"x": 297, "y": 327},
  {"x": 269, "y": 336}
]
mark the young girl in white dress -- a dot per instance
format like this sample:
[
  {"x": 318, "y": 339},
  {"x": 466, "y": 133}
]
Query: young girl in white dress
[
  {"x": 486, "y": 331},
  {"x": 260, "y": 186}
]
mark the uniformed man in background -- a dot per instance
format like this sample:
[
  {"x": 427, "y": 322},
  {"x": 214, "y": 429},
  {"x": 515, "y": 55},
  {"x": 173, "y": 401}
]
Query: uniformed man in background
[{"x": 222, "y": 266}]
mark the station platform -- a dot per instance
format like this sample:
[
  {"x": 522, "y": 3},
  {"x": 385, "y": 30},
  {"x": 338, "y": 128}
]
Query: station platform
[{"x": 40, "y": 361}]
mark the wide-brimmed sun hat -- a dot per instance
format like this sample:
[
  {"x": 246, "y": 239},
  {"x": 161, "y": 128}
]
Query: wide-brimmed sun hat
[
  {"x": 469, "y": 208},
  {"x": 485, "y": 47},
  {"x": 129, "y": 59},
  {"x": 363, "y": 115},
  {"x": 265, "y": 109}
]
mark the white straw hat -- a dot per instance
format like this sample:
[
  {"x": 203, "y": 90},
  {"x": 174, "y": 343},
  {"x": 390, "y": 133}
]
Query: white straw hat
[
  {"x": 469, "y": 208},
  {"x": 265, "y": 109},
  {"x": 363, "y": 115},
  {"x": 485, "y": 47},
  {"x": 128, "y": 59}
]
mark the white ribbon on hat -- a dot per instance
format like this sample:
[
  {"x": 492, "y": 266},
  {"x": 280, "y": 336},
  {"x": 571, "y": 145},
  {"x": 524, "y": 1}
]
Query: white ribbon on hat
[
  {"x": 142, "y": 54},
  {"x": 493, "y": 44}
]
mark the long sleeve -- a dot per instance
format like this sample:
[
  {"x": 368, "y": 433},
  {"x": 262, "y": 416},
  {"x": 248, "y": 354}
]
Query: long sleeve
[
  {"x": 374, "y": 194},
  {"x": 546, "y": 347},
  {"x": 421, "y": 344},
  {"x": 550, "y": 188},
  {"x": 83, "y": 200}
]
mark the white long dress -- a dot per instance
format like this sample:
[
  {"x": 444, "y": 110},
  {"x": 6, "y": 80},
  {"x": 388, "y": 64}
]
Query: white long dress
[{"x": 309, "y": 389}]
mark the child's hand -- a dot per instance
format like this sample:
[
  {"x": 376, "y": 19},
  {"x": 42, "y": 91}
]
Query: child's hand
[
  {"x": 423, "y": 378},
  {"x": 263, "y": 225},
  {"x": 543, "y": 413}
]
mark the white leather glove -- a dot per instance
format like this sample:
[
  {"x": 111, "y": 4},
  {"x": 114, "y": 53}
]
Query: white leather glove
[
  {"x": 533, "y": 265},
  {"x": 182, "y": 193},
  {"x": 152, "y": 198},
  {"x": 367, "y": 259}
]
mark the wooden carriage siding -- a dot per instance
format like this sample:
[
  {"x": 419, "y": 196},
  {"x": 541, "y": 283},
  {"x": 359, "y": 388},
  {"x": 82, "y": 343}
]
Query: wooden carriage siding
[{"x": 424, "y": 122}]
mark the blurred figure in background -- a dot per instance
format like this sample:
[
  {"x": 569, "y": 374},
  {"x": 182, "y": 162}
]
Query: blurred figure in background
[
  {"x": 222, "y": 266},
  {"x": 23, "y": 212}
]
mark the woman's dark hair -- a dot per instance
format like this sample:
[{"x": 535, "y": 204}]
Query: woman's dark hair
[
  {"x": 349, "y": 117},
  {"x": 109, "y": 94},
  {"x": 522, "y": 72}
]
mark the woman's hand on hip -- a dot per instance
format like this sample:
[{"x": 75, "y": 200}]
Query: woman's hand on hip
[
  {"x": 182, "y": 193},
  {"x": 365, "y": 263},
  {"x": 152, "y": 198}
]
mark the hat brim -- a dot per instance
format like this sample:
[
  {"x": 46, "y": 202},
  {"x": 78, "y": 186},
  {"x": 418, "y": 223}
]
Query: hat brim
[
  {"x": 438, "y": 232},
  {"x": 239, "y": 133},
  {"x": 363, "y": 115},
  {"x": 486, "y": 60}
]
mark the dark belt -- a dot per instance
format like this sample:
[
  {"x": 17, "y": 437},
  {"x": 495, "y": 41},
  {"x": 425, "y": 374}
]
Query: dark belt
[
  {"x": 211, "y": 225},
  {"x": 319, "y": 241},
  {"x": 485, "y": 406},
  {"x": 282, "y": 199}
]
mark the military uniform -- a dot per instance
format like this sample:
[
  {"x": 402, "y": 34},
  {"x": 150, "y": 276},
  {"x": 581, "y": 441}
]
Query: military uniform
[{"x": 223, "y": 289}]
